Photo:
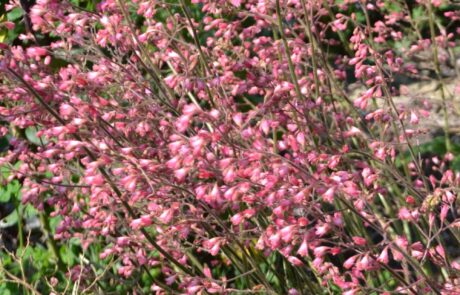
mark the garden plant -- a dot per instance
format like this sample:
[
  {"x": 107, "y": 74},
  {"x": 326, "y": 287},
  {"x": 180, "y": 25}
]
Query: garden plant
[{"x": 229, "y": 147}]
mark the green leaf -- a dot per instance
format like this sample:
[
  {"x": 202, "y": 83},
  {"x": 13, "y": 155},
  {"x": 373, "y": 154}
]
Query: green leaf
[
  {"x": 9, "y": 220},
  {"x": 67, "y": 255},
  {"x": 54, "y": 222},
  {"x": 3, "y": 35},
  {"x": 456, "y": 164},
  {"x": 75, "y": 178},
  {"x": 241, "y": 74},
  {"x": 5, "y": 290},
  {"x": 31, "y": 134},
  {"x": 4, "y": 144},
  {"x": 15, "y": 14},
  {"x": 418, "y": 12},
  {"x": 5, "y": 195},
  {"x": 14, "y": 187},
  {"x": 30, "y": 211},
  {"x": 360, "y": 17},
  {"x": 392, "y": 6},
  {"x": 11, "y": 190}
]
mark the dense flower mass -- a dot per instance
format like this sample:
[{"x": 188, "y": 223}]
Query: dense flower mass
[{"x": 218, "y": 141}]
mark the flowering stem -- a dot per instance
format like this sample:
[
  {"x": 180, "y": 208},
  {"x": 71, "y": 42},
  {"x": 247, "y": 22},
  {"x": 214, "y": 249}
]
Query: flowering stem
[
  {"x": 294, "y": 78},
  {"x": 105, "y": 175}
]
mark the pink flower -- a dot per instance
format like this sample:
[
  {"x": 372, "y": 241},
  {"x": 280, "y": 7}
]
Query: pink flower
[
  {"x": 130, "y": 183},
  {"x": 143, "y": 221},
  {"x": 287, "y": 233},
  {"x": 350, "y": 262},
  {"x": 183, "y": 123},
  {"x": 414, "y": 118},
  {"x": 213, "y": 245},
  {"x": 323, "y": 229},
  {"x": 364, "y": 263},
  {"x": 275, "y": 241},
  {"x": 229, "y": 174},
  {"x": 328, "y": 196},
  {"x": 303, "y": 249},
  {"x": 237, "y": 219},
  {"x": 36, "y": 52},
  {"x": 293, "y": 292},
  {"x": 94, "y": 180},
  {"x": 236, "y": 3},
  {"x": 320, "y": 251},
  {"x": 351, "y": 292},
  {"x": 166, "y": 216},
  {"x": 383, "y": 257},
  {"x": 207, "y": 272},
  {"x": 296, "y": 261},
  {"x": 9, "y": 25},
  {"x": 444, "y": 210},
  {"x": 181, "y": 174},
  {"x": 333, "y": 162},
  {"x": 339, "y": 25},
  {"x": 404, "y": 214},
  {"x": 359, "y": 241}
]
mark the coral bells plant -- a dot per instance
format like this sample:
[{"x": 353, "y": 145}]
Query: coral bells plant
[{"x": 219, "y": 144}]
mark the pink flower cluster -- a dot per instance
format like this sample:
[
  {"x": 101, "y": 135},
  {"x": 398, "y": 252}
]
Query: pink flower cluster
[{"x": 218, "y": 135}]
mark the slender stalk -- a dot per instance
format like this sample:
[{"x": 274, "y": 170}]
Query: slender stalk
[
  {"x": 294, "y": 78},
  {"x": 437, "y": 67}
]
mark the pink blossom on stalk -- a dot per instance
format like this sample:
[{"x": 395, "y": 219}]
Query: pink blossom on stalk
[
  {"x": 414, "y": 118},
  {"x": 339, "y": 25},
  {"x": 288, "y": 232},
  {"x": 181, "y": 174},
  {"x": 364, "y": 263},
  {"x": 350, "y": 262},
  {"x": 353, "y": 131},
  {"x": 236, "y": 3},
  {"x": 213, "y": 245},
  {"x": 444, "y": 210},
  {"x": 205, "y": 150},
  {"x": 417, "y": 250},
  {"x": 323, "y": 229},
  {"x": 359, "y": 241},
  {"x": 275, "y": 241},
  {"x": 94, "y": 180},
  {"x": 320, "y": 251},
  {"x": 404, "y": 214},
  {"x": 183, "y": 123},
  {"x": 303, "y": 249},
  {"x": 130, "y": 183},
  {"x": 143, "y": 221},
  {"x": 166, "y": 216},
  {"x": 383, "y": 257},
  {"x": 237, "y": 219},
  {"x": 36, "y": 52},
  {"x": 329, "y": 195},
  {"x": 295, "y": 261},
  {"x": 351, "y": 292}
]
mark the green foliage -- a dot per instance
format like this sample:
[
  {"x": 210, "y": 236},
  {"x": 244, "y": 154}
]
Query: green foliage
[
  {"x": 37, "y": 261},
  {"x": 29, "y": 260},
  {"x": 9, "y": 190},
  {"x": 31, "y": 135},
  {"x": 435, "y": 147}
]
